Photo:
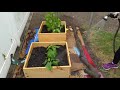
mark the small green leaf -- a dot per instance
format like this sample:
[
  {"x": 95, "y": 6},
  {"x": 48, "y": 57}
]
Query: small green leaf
[
  {"x": 51, "y": 54},
  {"x": 52, "y": 46},
  {"x": 55, "y": 62},
  {"x": 50, "y": 21},
  {"x": 49, "y": 66},
  {"x": 49, "y": 60},
  {"x": 56, "y": 46},
  {"x": 58, "y": 30},
  {"x": 49, "y": 47},
  {"x": 54, "y": 31}
]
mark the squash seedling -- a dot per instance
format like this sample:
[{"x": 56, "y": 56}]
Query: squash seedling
[
  {"x": 51, "y": 57},
  {"x": 53, "y": 22}
]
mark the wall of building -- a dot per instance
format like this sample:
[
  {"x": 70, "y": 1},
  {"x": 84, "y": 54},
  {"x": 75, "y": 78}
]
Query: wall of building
[{"x": 11, "y": 27}]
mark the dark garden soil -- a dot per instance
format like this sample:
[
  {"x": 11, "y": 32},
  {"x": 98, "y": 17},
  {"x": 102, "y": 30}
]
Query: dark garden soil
[
  {"x": 63, "y": 58},
  {"x": 45, "y": 29},
  {"x": 38, "y": 56}
]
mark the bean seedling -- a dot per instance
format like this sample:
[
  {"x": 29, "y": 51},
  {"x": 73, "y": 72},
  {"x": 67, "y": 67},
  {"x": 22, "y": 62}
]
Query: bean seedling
[{"x": 51, "y": 57}]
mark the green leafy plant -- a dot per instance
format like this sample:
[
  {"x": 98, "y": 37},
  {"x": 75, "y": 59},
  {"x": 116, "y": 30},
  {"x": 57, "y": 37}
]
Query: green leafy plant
[
  {"x": 51, "y": 57},
  {"x": 53, "y": 22}
]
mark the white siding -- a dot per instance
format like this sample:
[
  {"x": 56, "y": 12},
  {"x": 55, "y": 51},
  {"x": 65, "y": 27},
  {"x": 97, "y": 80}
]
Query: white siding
[{"x": 11, "y": 27}]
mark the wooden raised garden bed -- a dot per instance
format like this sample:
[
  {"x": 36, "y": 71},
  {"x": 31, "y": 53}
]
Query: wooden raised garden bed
[
  {"x": 45, "y": 36},
  {"x": 33, "y": 67}
]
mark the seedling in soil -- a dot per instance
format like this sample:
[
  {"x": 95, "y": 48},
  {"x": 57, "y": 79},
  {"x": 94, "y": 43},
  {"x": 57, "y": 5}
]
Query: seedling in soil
[
  {"x": 53, "y": 22},
  {"x": 51, "y": 57}
]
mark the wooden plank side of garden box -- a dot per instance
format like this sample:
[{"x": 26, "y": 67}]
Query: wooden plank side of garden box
[
  {"x": 51, "y": 37},
  {"x": 42, "y": 72},
  {"x": 63, "y": 72}
]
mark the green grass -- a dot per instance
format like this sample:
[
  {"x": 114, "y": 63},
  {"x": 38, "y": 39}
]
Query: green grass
[{"x": 102, "y": 44}]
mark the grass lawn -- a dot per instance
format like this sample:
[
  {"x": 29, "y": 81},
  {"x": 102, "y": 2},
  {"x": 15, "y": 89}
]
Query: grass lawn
[{"x": 101, "y": 43}]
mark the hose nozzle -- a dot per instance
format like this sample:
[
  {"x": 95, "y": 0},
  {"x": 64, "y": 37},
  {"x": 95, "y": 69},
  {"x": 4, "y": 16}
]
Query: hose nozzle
[
  {"x": 105, "y": 18},
  {"x": 111, "y": 15}
]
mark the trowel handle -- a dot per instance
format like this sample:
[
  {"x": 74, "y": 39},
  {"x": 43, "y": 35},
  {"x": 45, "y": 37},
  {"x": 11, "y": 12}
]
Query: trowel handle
[{"x": 81, "y": 39}]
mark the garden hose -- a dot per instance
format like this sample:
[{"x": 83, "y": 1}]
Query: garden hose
[
  {"x": 116, "y": 36},
  {"x": 114, "y": 15},
  {"x": 16, "y": 62}
]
